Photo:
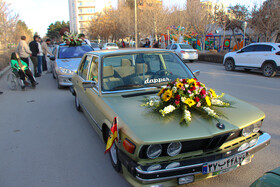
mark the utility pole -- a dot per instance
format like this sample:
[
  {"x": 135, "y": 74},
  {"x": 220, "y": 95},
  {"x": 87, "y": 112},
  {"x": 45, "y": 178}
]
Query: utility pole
[{"x": 136, "y": 32}]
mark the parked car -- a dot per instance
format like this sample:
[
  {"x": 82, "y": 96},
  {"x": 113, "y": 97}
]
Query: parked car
[
  {"x": 156, "y": 150},
  {"x": 109, "y": 46},
  {"x": 263, "y": 56},
  {"x": 184, "y": 51},
  {"x": 65, "y": 62},
  {"x": 269, "y": 179},
  {"x": 95, "y": 46}
]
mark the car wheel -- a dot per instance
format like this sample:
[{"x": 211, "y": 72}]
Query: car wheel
[
  {"x": 229, "y": 65},
  {"x": 269, "y": 70},
  {"x": 77, "y": 104},
  {"x": 116, "y": 163},
  {"x": 191, "y": 61}
]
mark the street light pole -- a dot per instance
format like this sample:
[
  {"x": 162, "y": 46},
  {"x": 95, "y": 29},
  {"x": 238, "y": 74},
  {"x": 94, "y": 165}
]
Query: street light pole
[
  {"x": 135, "y": 11},
  {"x": 244, "y": 25}
]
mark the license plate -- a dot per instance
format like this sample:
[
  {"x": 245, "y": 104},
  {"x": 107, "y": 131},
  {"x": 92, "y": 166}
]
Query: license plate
[{"x": 223, "y": 164}]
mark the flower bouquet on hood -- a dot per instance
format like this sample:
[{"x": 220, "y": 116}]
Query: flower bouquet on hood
[
  {"x": 72, "y": 39},
  {"x": 185, "y": 95}
]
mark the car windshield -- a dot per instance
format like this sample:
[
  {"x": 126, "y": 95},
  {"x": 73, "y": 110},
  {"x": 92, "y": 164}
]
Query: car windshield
[
  {"x": 94, "y": 45},
  {"x": 185, "y": 46},
  {"x": 141, "y": 70},
  {"x": 73, "y": 51},
  {"x": 111, "y": 45}
]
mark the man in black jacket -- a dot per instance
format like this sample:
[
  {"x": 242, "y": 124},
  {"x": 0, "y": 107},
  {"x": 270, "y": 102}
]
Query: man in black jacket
[{"x": 35, "y": 50}]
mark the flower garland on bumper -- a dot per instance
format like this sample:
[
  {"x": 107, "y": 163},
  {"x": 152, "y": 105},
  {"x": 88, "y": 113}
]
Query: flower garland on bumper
[{"x": 186, "y": 94}]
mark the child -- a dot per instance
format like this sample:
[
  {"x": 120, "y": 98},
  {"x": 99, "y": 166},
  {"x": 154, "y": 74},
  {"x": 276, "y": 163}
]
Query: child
[{"x": 22, "y": 69}]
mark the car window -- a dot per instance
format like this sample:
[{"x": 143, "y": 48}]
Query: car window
[
  {"x": 94, "y": 45},
  {"x": 93, "y": 73},
  {"x": 248, "y": 49},
  {"x": 168, "y": 47},
  {"x": 185, "y": 46},
  {"x": 262, "y": 48},
  {"x": 83, "y": 69},
  {"x": 73, "y": 51},
  {"x": 112, "y": 45},
  {"x": 174, "y": 46},
  {"x": 141, "y": 70}
]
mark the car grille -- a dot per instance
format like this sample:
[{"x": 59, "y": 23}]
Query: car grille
[{"x": 202, "y": 144}]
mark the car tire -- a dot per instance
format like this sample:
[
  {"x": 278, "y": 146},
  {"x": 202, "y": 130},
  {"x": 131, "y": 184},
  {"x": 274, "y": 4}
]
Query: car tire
[
  {"x": 77, "y": 104},
  {"x": 191, "y": 61},
  {"x": 116, "y": 163},
  {"x": 229, "y": 65},
  {"x": 269, "y": 70}
]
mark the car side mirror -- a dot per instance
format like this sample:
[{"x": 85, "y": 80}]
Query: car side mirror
[
  {"x": 88, "y": 84},
  {"x": 196, "y": 73},
  {"x": 52, "y": 58}
]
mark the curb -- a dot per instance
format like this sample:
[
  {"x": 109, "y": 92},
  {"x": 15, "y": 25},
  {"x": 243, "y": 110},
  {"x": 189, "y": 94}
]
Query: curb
[{"x": 4, "y": 71}]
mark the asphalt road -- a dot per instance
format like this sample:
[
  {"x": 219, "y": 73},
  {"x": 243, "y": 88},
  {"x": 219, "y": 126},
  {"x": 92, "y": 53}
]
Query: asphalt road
[{"x": 44, "y": 141}]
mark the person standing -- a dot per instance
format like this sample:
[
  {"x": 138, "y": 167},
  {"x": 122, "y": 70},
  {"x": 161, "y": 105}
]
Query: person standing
[
  {"x": 83, "y": 37},
  {"x": 46, "y": 51},
  {"x": 23, "y": 50},
  {"x": 39, "y": 57},
  {"x": 35, "y": 50}
]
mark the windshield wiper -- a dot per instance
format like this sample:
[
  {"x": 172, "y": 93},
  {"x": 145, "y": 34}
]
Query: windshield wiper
[{"x": 128, "y": 86}]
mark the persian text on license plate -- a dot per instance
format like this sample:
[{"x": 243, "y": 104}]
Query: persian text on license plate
[{"x": 223, "y": 164}]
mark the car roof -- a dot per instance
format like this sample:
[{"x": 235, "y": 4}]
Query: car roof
[
  {"x": 265, "y": 43},
  {"x": 125, "y": 51}
]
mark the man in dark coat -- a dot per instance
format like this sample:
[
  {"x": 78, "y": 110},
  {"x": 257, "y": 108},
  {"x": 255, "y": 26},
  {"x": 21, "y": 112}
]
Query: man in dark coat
[{"x": 35, "y": 50}]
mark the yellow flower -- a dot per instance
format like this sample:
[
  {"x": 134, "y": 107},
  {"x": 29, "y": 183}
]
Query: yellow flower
[
  {"x": 213, "y": 93},
  {"x": 180, "y": 85},
  {"x": 167, "y": 95},
  {"x": 207, "y": 99},
  {"x": 160, "y": 92},
  {"x": 190, "y": 102},
  {"x": 190, "y": 81}
]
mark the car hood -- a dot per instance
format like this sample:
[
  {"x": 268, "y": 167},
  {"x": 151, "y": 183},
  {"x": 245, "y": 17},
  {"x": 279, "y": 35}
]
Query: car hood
[
  {"x": 230, "y": 53},
  {"x": 148, "y": 126},
  {"x": 71, "y": 63}
]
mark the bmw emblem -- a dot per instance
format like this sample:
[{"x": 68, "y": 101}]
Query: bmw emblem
[{"x": 220, "y": 126}]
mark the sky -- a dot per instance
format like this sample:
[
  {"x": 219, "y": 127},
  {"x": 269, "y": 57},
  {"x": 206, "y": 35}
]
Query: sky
[{"x": 39, "y": 14}]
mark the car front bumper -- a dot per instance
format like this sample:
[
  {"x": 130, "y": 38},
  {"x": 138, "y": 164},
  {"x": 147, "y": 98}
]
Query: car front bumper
[
  {"x": 134, "y": 173},
  {"x": 65, "y": 80}
]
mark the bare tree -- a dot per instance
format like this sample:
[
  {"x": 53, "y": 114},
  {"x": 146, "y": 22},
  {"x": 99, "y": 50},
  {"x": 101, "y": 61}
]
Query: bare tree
[{"x": 265, "y": 20}]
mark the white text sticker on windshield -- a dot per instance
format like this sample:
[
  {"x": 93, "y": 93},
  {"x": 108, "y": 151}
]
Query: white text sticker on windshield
[{"x": 159, "y": 80}]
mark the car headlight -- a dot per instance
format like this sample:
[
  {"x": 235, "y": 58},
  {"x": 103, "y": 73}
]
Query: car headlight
[
  {"x": 247, "y": 130},
  {"x": 254, "y": 128},
  {"x": 65, "y": 70},
  {"x": 257, "y": 126},
  {"x": 174, "y": 148},
  {"x": 154, "y": 151}
]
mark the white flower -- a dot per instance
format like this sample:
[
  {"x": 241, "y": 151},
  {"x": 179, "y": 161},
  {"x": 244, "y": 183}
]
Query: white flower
[
  {"x": 183, "y": 99},
  {"x": 192, "y": 94},
  {"x": 187, "y": 116},
  {"x": 186, "y": 85},
  {"x": 168, "y": 109},
  {"x": 210, "y": 111},
  {"x": 174, "y": 89},
  {"x": 217, "y": 102}
]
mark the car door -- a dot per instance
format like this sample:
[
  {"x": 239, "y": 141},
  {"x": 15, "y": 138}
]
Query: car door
[
  {"x": 82, "y": 75},
  {"x": 92, "y": 101},
  {"x": 262, "y": 53},
  {"x": 245, "y": 56}
]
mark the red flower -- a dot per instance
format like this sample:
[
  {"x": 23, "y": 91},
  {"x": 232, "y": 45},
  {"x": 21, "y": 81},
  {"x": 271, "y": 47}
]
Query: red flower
[
  {"x": 177, "y": 102},
  {"x": 197, "y": 83},
  {"x": 72, "y": 40},
  {"x": 203, "y": 92},
  {"x": 184, "y": 81},
  {"x": 197, "y": 99},
  {"x": 192, "y": 89},
  {"x": 177, "y": 97}
]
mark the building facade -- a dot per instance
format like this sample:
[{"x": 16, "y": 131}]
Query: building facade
[{"x": 81, "y": 12}]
